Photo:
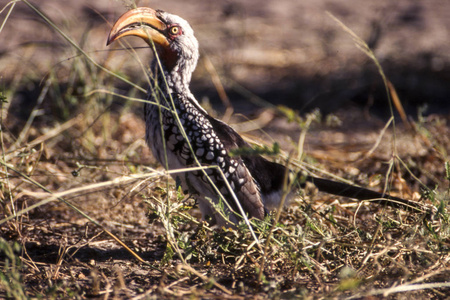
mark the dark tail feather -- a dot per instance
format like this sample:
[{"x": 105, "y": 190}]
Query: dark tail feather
[{"x": 351, "y": 191}]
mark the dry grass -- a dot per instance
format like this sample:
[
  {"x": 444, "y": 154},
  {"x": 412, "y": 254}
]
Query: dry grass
[{"x": 78, "y": 180}]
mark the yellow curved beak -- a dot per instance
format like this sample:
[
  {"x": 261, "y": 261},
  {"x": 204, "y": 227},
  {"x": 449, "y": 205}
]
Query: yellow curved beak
[{"x": 142, "y": 22}]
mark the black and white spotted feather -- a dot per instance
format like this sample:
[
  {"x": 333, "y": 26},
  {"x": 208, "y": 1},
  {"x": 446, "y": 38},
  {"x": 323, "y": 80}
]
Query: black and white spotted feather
[
  {"x": 205, "y": 136},
  {"x": 209, "y": 150},
  {"x": 255, "y": 182}
]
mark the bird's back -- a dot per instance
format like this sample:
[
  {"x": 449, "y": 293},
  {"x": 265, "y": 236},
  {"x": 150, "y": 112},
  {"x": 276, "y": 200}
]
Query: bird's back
[{"x": 192, "y": 138}]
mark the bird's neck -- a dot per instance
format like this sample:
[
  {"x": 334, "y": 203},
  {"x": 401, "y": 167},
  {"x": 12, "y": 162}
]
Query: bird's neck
[
  {"x": 174, "y": 76},
  {"x": 174, "y": 80}
]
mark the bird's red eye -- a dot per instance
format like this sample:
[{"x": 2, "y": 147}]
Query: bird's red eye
[{"x": 175, "y": 30}]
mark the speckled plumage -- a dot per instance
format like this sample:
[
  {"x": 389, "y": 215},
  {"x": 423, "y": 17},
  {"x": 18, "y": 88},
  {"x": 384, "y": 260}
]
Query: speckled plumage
[
  {"x": 209, "y": 151},
  {"x": 256, "y": 182},
  {"x": 200, "y": 128}
]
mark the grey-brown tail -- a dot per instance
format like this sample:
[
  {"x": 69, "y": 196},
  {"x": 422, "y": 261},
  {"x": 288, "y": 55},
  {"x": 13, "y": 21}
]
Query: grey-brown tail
[{"x": 359, "y": 193}]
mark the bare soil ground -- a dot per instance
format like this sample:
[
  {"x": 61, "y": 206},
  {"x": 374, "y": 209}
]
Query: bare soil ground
[{"x": 67, "y": 139}]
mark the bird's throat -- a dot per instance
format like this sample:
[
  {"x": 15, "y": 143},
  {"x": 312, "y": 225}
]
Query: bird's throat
[
  {"x": 176, "y": 73},
  {"x": 168, "y": 59}
]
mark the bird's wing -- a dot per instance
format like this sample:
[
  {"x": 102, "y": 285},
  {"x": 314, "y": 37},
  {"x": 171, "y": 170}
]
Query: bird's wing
[
  {"x": 269, "y": 175},
  {"x": 211, "y": 148}
]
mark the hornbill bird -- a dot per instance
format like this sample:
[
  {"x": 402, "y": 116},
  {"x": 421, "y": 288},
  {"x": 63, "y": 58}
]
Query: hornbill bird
[{"x": 182, "y": 134}]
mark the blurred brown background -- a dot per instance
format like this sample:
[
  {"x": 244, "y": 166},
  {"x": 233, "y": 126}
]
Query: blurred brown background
[{"x": 286, "y": 52}]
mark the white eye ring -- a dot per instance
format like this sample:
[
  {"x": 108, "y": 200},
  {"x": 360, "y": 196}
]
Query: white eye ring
[{"x": 175, "y": 30}]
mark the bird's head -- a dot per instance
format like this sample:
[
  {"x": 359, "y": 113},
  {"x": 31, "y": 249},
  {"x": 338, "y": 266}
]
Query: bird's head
[{"x": 173, "y": 37}]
